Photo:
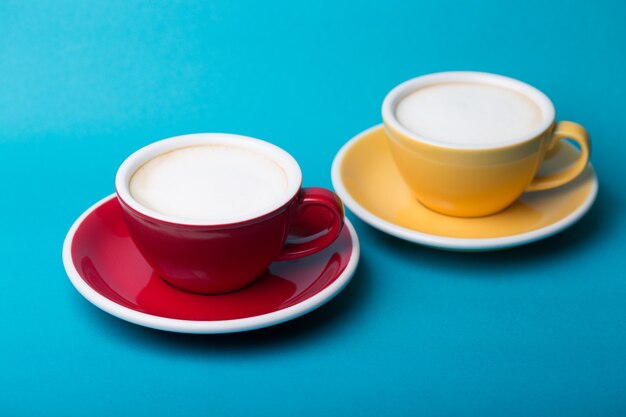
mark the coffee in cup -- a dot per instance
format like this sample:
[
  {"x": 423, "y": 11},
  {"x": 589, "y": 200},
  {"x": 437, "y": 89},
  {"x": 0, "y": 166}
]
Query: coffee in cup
[
  {"x": 469, "y": 144},
  {"x": 468, "y": 114},
  {"x": 210, "y": 212},
  {"x": 209, "y": 183}
]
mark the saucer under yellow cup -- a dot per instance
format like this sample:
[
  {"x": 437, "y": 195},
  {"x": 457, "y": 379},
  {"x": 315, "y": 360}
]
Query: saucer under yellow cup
[{"x": 366, "y": 178}]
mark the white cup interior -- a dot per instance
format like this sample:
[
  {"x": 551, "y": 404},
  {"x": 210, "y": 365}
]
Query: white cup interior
[
  {"x": 399, "y": 92},
  {"x": 137, "y": 159}
]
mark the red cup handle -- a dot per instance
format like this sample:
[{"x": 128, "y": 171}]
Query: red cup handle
[{"x": 309, "y": 197}]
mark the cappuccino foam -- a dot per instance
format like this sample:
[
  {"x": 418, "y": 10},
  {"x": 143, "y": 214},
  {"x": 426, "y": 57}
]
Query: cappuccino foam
[
  {"x": 212, "y": 183},
  {"x": 462, "y": 113}
]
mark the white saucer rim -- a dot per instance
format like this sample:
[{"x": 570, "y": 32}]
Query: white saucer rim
[
  {"x": 444, "y": 242},
  {"x": 206, "y": 326}
]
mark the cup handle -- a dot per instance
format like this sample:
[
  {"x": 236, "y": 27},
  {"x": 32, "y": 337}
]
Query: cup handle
[
  {"x": 565, "y": 130},
  {"x": 321, "y": 197}
]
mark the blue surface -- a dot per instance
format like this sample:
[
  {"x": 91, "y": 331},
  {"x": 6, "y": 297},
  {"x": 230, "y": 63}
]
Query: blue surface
[{"x": 534, "y": 331}]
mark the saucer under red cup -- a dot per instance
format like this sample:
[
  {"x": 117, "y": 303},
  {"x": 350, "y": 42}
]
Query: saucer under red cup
[
  {"x": 216, "y": 257},
  {"x": 105, "y": 266}
]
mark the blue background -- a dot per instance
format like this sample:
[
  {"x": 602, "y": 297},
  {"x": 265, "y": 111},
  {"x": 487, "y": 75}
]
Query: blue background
[{"x": 538, "y": 330}]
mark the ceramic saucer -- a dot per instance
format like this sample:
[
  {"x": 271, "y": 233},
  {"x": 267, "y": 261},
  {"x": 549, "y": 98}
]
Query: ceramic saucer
[
  {"x": 365, "y": 177},
  {"x": 106, "y": 268}
]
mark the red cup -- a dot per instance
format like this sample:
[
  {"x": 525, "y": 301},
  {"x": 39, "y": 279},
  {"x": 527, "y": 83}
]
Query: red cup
[{"x": 211, "y": 258}]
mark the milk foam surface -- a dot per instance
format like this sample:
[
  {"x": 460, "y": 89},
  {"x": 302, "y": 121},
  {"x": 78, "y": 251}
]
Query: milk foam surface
[
  {"x": 468, "y": 113},
  {"x": 209, "y": 182}
]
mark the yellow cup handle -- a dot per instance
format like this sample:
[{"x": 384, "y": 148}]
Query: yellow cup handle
[{"x": 565, "y": 130}]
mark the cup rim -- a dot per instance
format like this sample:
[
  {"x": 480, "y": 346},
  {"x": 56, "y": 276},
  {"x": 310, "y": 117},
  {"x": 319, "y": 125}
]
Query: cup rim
[
  {"x": 402, "y": 90},
  {"x": 141, "y": 156}
]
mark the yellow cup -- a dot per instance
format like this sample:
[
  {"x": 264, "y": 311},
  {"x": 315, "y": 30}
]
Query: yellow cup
[{"x": 474, "y": 179}]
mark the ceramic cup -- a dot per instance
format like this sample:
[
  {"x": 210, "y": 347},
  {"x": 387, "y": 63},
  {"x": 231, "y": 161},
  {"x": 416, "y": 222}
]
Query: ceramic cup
[
  {"x": 472, "y": 179},
  {"x": 211, "y": 258}
]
